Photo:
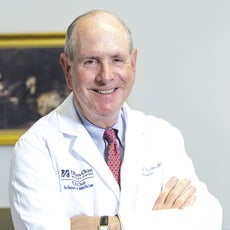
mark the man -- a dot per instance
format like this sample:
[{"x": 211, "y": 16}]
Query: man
[{"x": 60, "y": 176}]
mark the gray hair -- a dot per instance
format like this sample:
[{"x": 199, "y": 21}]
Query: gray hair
[{"x": 70, "y": 41}]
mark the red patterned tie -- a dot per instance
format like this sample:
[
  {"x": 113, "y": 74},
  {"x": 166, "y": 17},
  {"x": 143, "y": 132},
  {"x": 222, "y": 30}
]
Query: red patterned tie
[{"x": 114, "y": 156}]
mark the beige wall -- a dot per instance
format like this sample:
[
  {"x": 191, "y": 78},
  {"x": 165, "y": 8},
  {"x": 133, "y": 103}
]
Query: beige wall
[{"x": 183, "y": 71}]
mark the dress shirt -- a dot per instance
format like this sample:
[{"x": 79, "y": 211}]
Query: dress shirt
[{"x": 96, "y": 133}]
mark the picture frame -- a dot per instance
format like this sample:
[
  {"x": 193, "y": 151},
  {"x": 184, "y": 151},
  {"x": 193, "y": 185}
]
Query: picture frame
[{"x": 30, "y": 77}]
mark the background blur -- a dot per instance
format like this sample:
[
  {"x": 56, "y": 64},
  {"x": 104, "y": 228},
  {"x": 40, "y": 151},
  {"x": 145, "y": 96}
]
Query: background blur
[{"x": 182, "y": 74}]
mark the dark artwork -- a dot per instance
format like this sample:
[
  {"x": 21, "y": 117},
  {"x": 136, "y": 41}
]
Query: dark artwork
[{"x": 32, "y": 83}]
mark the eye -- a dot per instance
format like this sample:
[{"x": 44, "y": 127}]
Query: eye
[
  {"x": 90, "y": 63},
  {"x": 118, "y": 60}
]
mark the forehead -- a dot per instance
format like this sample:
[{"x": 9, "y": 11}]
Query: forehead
[
  {"x": 101, "y": 29},
  {"x": 99, "y": 19}
]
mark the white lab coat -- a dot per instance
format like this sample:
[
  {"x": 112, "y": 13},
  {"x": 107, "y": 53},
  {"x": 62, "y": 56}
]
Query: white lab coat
[{"x": 57, "y": 172}]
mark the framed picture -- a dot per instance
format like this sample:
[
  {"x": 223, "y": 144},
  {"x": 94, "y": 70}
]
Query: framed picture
[{"x": 32, "y": 82}]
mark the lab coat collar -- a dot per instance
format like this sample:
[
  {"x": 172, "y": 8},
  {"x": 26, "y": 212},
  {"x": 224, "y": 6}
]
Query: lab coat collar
[
  {"x": 68, "y": 120},
  {"x": 70, "y": 124}
]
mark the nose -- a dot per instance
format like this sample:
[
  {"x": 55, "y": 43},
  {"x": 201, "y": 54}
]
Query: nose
[{"x": 105, "y": 73}]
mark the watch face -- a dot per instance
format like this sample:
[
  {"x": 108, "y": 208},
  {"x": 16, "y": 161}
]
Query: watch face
[{"x": 104, "y": 227}]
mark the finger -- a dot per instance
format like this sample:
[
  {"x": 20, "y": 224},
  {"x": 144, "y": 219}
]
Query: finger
[
  {"x": 164, "y": 193},
  {"x": 176, "y": 192},
  {"x": 189, "y": 202},
  {"x": 184, "y": 197}
]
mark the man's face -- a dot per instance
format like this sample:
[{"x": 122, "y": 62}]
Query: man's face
[{"x": 102, "y": 72}]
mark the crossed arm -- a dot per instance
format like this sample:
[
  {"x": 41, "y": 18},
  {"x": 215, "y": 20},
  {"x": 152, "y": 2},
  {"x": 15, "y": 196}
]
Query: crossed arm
[{"x": 176, "y": 194}]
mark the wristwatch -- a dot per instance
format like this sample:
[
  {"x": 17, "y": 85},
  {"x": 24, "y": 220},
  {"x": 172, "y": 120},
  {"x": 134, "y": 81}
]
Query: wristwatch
[{"x": 104, "y": 223}]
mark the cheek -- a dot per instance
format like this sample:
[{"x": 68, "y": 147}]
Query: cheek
[
  {"x": 132, "y": 76},
  {"x": 86, "y": 78},
  {"x": 79, "y": 81},
  {"x": 129, "y": 76}
]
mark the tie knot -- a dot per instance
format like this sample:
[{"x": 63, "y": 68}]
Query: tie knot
[{"x": 110, "y": 135}]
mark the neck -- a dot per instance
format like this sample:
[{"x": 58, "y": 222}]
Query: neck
[
  {"x": 101, "y": 121},
  {"x": 104, "y": 122}
]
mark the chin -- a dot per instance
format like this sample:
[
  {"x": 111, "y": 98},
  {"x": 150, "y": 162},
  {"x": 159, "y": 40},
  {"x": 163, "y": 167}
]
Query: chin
[{"x": 108, "y": 110}]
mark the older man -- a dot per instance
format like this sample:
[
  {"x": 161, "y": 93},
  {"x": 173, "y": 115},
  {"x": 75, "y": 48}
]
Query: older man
[{"x": 95, "y": 163}]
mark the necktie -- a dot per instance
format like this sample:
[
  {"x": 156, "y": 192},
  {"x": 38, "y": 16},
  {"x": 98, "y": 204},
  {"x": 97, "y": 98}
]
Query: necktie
[{"x": 114, "y": 156}]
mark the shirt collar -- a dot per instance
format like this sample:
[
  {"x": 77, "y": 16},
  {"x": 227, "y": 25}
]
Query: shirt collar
[{"x": 97, "y": 132}]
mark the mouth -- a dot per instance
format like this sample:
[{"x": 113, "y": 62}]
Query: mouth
[{"x": 108, "y": 91}]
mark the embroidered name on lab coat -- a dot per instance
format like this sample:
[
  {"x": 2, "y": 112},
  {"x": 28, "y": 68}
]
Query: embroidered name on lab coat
[
  {"x": 150, "y": 170},
  {"x": 77, "y": 180}
]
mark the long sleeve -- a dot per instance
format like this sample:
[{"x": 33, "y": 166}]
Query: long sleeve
[
  {"x": 205, "y": 216},
  {"x": 151, "y": 159}
]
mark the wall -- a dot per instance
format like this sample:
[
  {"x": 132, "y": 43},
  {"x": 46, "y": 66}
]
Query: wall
[{"x": 182, "y": 76}]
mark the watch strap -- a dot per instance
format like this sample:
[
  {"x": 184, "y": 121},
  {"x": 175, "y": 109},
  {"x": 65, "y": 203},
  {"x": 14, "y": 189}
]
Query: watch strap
[
  {"x": 104, "y": 223},
  {"x": 104, "y": 220}
]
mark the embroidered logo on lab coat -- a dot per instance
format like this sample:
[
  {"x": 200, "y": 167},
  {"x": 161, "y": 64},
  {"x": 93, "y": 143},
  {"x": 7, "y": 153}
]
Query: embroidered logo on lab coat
[{"x": 77, "y": 180}]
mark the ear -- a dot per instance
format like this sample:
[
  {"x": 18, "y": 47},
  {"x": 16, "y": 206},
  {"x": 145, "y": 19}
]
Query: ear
[
  {"x": 65, "y": 63},
  {"x": 134, "y": 58}
]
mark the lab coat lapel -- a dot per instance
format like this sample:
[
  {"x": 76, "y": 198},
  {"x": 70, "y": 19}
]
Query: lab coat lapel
[
  {"x": 86, "y": 148},
  {"x": 135, "y": 147},
  {"x": 83, "y": 145}
]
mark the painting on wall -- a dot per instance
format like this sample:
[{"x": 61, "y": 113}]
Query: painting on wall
[{"x": 32, "y": 82}]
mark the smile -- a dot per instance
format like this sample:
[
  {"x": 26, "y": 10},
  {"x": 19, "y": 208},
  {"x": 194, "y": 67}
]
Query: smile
[{"x": 108, "y": 91}]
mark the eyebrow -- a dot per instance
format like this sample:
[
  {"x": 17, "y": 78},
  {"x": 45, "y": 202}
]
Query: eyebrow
[
  {"x": 87, "y": 57},
  {"x": 124, "y": 56}
]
